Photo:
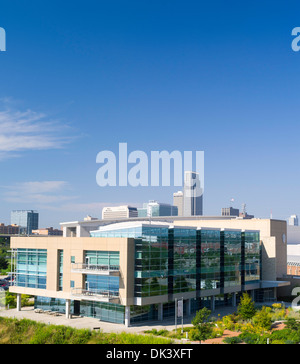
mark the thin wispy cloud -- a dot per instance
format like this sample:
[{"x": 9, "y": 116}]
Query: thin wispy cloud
[
  {"x": 37, "y": 193},
  {"x": 29, "y": 130}
]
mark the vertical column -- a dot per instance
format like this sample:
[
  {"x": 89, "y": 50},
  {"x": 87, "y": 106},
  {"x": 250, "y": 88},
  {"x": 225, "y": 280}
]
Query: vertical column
[
  {"x": 18, "y": 302},
  {"x": 188, "y": 307},
  {"x": 68, "y": 308},
  {"x": 243, "y": 260},
  {"x": 170, "y": 263},
  {"x": 127, "y": 316},
  {"x": 160, "y": 312},
  {"x": 212, "y": 303},
  {"x": 234, "y": 300},
  {"x": 198, "y": 263},
  {"x": 222, "y": 260}
]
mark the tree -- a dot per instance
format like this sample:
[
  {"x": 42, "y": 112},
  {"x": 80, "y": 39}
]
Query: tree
[
  {"x": 202, "y": 326},
  {"x": 246, "y": 307},
  {"x": 3, "y": 263},
  {"x": 263, "y": 319}
]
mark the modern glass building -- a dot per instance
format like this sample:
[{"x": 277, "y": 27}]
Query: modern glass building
[
  {"x": 135, "y": 271},
  {"x": 28, "y": 220},
  {"x": 154, "y": 209},
  {"x": 196, "y": 264}
]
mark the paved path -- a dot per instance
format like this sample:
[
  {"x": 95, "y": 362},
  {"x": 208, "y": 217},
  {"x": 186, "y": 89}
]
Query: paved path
[{"x": 91, "y": 323}]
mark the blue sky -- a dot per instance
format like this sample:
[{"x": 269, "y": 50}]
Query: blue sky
[{"x": 78, "y": 78}]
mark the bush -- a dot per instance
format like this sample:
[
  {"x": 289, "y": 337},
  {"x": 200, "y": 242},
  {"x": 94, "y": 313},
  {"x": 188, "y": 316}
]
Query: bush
[
  {"x": 263, "y": 319},
  {"x": 246, "y": 307},
  {"x": 285, "y": 335},
  {"x": 233, "y": 340}
]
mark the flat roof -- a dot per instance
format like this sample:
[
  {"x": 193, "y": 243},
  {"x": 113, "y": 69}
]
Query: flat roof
[{"x": 158, "y": 218}]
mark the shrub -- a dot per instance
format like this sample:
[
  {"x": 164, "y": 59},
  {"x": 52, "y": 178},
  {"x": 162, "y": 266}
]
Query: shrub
[
  {"x": 202, "y": 325},
  {"x": 285, "y": 335},
  {"x": 263, "y": 319},
  {"x": 246, "y": 307},
  {"x": 233, "y": 340},
  {"x": 228, "y": 322}
]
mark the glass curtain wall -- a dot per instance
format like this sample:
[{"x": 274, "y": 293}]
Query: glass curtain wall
[
  {"x": 232, "y": 258},
  {"x": 184, "y": 260},
  {"x": 252, "y": 263},
  {"x": 210, "y": 259},
  {"x": 103, "y": 258},
  {"x": 31, "y": 268}
]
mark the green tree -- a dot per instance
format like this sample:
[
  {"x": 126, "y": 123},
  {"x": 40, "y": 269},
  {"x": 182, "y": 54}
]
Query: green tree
[
  {"x": 263, "y": 319},
  {"x": 3, "y": 263},
  {"x": 246, "y": 307},
  {"x": 202, "y": 325}
]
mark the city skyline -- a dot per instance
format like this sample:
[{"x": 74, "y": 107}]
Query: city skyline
[{"x": 159, "y": 76}]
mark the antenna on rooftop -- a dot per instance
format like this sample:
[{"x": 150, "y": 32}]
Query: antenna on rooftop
[{"x": 244, "y": 208}]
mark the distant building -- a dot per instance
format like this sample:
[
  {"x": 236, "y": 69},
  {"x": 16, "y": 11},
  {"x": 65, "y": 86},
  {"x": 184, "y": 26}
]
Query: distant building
[
  {"x": 192, "y": 195},
  {"x": 28, "y": 220},
  {"x": 119, "y": 212},
  {"x": 9, "y": 229},
  {"x": 178, "y": 202},
  {"x": 230, "y": 211},
  {"x": 245, "y": 215},
  {"x": 293, "y": 220},
  {"x": 48, "y": 232},
  {"x": 293, "y": 265},
  {"x": 154, "y": 208}
]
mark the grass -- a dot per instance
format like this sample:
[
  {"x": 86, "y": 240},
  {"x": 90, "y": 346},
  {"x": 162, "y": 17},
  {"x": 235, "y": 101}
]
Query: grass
[{"x": 13, "y": 331}]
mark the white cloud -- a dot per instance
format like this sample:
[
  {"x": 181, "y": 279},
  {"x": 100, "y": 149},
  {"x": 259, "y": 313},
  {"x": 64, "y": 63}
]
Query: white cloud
[
  {"x": 45, "y": 192},
  {"x": 29, "y": 130}
]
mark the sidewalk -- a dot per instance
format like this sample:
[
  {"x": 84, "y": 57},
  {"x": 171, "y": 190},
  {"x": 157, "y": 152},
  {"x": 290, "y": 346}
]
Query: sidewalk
[{"x": 92, "y": 323}]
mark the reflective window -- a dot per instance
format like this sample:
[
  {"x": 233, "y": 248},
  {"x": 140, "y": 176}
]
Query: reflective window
[{"x": 31, "y": 268}]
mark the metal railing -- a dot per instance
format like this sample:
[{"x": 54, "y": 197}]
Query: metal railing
[
  {"x": 95, "y": 267},
  {"x": 97, "y": 294}
]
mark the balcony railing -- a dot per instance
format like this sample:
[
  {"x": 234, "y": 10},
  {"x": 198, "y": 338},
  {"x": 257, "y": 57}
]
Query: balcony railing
[
  {"x": 95, "y": 295},
  {"x": 95, "y": 269}
]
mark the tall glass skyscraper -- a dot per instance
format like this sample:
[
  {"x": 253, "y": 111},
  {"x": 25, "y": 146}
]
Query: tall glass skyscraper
[
  {"x": 192, "y": 195},
  {"x": 28, "y": 220}
]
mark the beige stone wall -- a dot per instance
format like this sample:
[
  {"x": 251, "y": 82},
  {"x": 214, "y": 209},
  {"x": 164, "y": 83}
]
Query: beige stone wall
[{"x": 75, "y": 247}]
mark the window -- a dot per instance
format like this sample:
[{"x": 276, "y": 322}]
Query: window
[{"x": 31, "y": 268}]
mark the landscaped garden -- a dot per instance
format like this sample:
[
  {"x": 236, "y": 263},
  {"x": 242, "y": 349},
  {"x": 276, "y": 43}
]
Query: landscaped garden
[{"x": 248, "y": 325}]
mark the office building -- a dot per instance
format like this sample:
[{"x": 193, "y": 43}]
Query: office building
[
  {"x": 48, "y": 232},
  {"x": 230, "y": 211},
  {"x": 28, "y": 220},
  {"x": 192, "y": 195},
  {"x": 178, "y": 202},
  {"x": 154, "y": 208},
  {"x": 119, "y": 212},
  {"x": 9, "y": 229},
  {"x": 293, "y": 220},
  {"x": 133, "y": 271}
]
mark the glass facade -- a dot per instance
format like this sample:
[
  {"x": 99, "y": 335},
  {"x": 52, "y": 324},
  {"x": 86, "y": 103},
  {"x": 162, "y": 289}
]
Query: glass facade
[
  {"x": 252, "y": 262},
  {"x": 27, "y": 220},
  {"x": 180, "y": 259},
  {"x": 102, "y": 284},
  {"x": 60, "y": 269},
  {"x": 102, "y": 258},
  {"x": 184, "y": 260},
  {"x": 31, "y": 268},
  {"x": 169, "y": 261},
  {"x": 210, "y": 271},
  {"x": 232, "y": 266},
  {"x": 109, "y": 312}
]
